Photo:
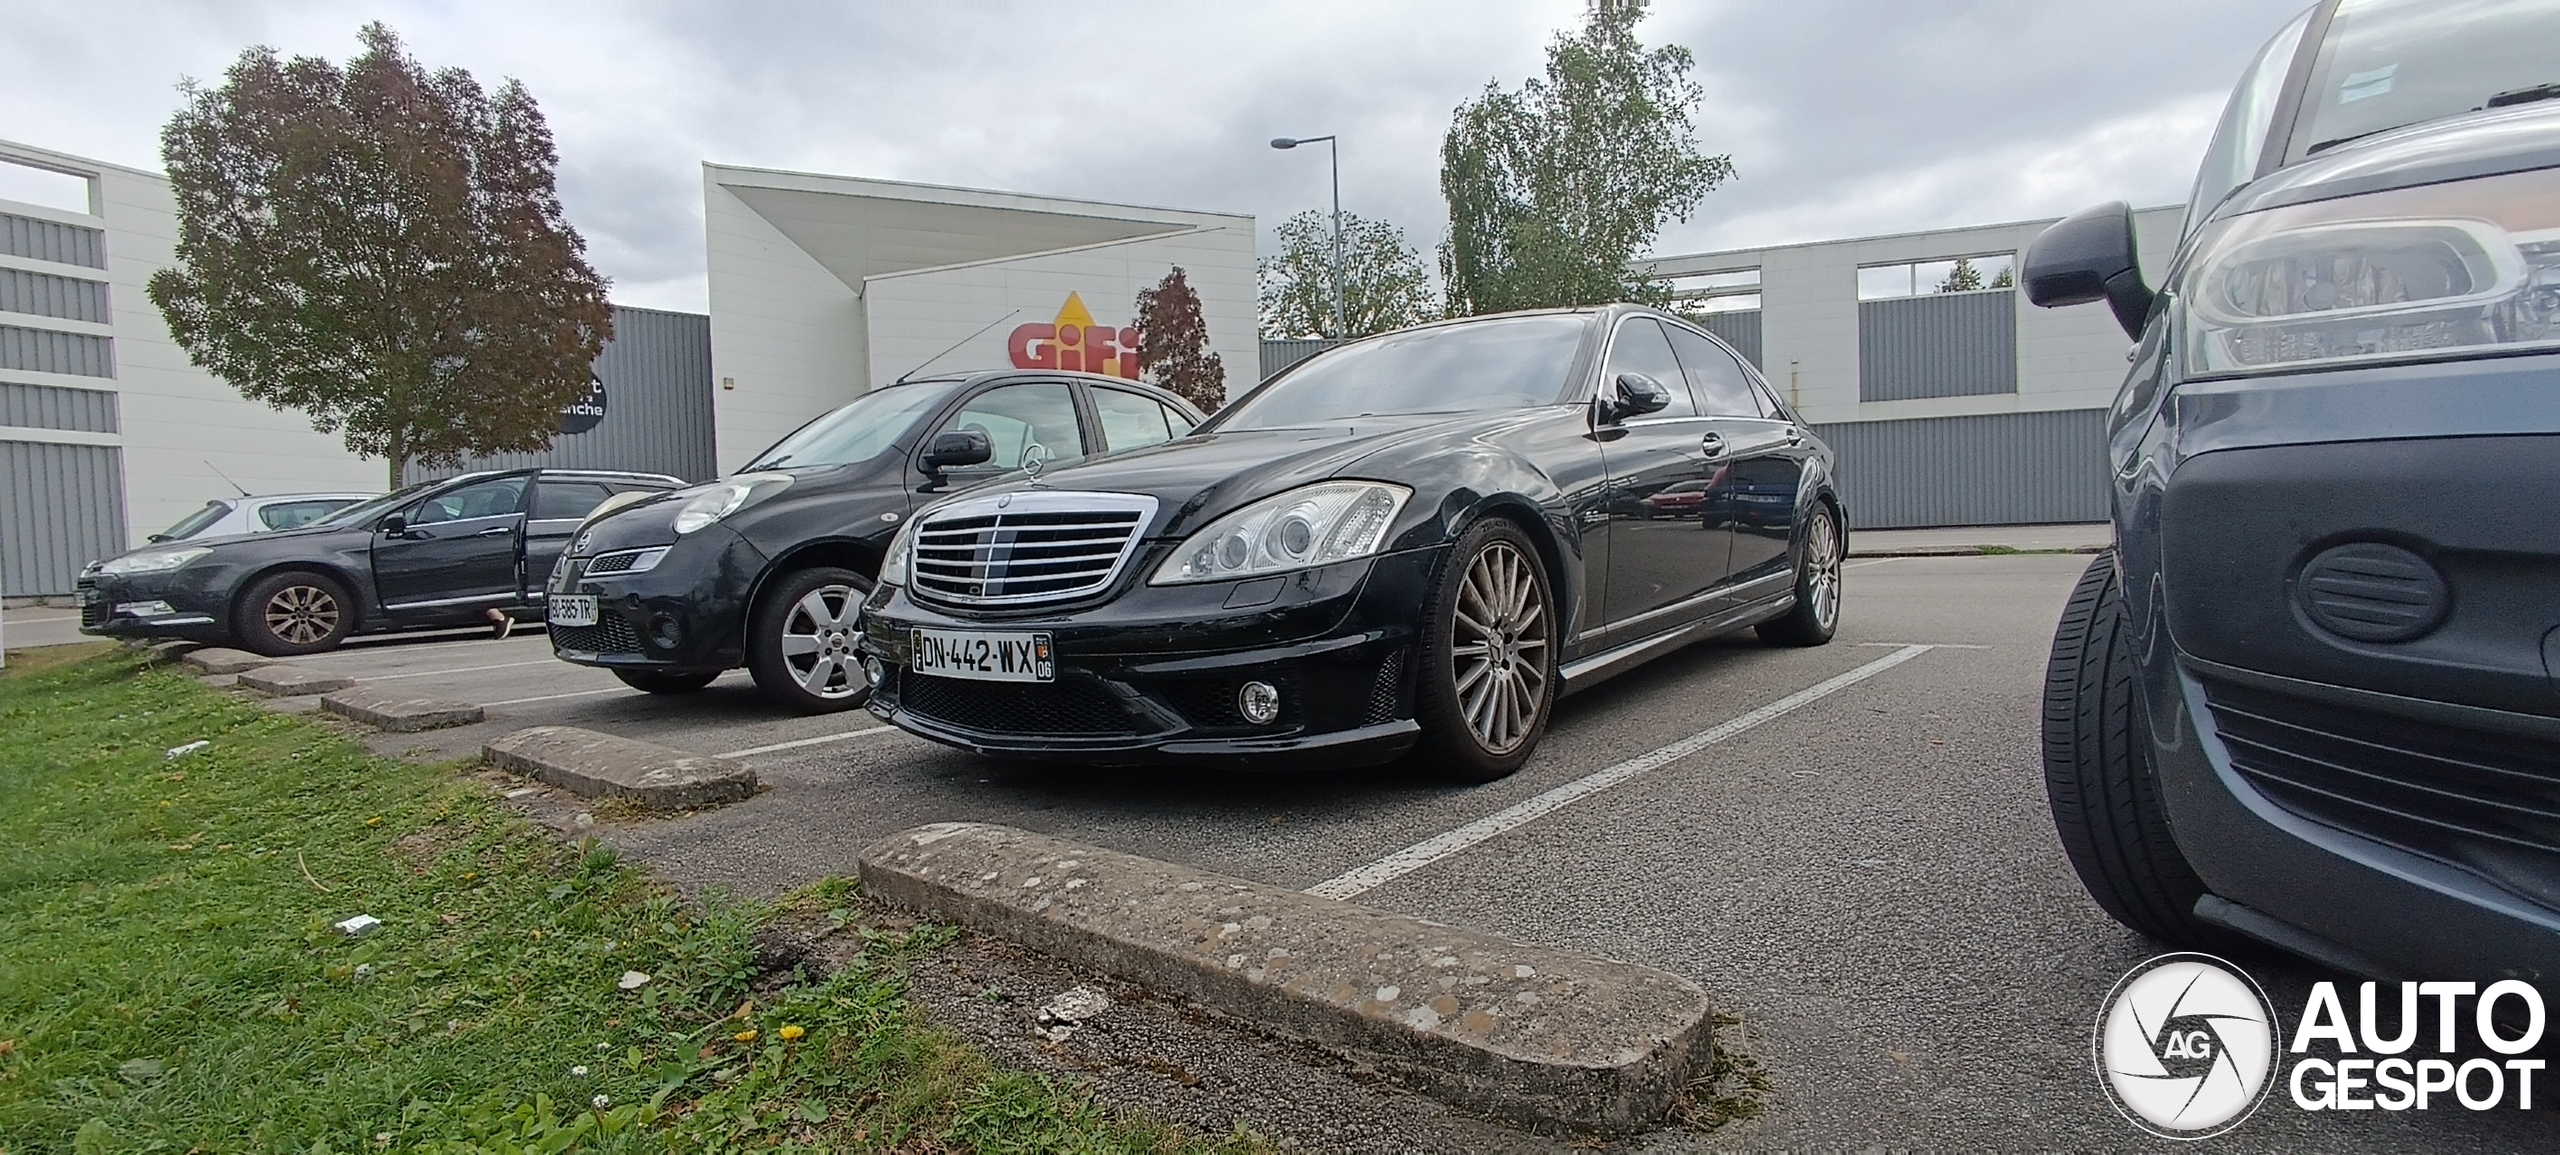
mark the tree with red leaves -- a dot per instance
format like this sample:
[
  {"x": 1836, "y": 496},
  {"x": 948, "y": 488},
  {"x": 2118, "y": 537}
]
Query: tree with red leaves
[{"x": 1173, "y": 343}]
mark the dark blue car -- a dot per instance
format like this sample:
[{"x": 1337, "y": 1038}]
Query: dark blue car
[{"x": 2309, "y": 699}]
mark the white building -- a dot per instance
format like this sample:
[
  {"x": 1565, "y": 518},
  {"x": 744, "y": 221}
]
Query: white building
[
  {"x": 1963, "y": 407},
  {"x": 107, "y": 432},
  {"x": 823, "y": 286}
]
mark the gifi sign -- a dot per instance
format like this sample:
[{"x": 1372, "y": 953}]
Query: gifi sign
[{"x": 1073, "y": 341}]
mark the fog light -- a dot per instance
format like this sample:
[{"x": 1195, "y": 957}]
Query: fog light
[
  {"x": 144, "y": 609},
  {"x": 1259, "y": 702},
  {"x": 872, "y": 670},
  {"x": 665, "y": 631}
]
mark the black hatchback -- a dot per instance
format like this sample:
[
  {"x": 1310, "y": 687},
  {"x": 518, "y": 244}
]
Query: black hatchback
[
  {"x": 2310, "y": 698},
  {"x": 768, "y": 568},
  {"x": 438, "y": 554}
]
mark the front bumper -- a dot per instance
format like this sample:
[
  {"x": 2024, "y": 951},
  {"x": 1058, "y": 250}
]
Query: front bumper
[
  {"x": 159, "y": 605},
  {"x": 1153, "y": 674},
  {"x": 688, "y": 613}
]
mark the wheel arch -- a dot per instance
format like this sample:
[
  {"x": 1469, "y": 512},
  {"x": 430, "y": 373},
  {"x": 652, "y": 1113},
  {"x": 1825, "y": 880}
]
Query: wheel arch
[
  {"x": 850, "y": 553},
  {"x": 1525, "y": 511},
  {"x": 369, "y": 615}
]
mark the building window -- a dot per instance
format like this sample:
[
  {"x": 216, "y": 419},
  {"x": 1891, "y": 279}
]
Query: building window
[
  {"x": 50, "y": 188},
  {"x": 1729, "y": 291},
  {"x": 1946, "y": 275}
]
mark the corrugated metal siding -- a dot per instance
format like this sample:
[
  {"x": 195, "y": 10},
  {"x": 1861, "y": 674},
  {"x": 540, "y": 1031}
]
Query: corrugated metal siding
[
  {"x": 1996, "y": 469},
  {"x": 1941, "y": 345},
  {"x": 1279, "y": 353},
  {"x": 49, "y": 407},
  {"x": 53, "y": 351},
  {"x": 657, "y": 414},
  {"x": 46, "y": 295},
  {"x": 1740, "y": 328},
  {"x": 61, "y": 507},
  {"x": 42, "y": 240}
]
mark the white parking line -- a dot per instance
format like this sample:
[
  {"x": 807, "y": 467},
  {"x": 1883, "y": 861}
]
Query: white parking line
[
  {"x": 41, "y": 621},
  {"x": 820, "y": 740},
  {"x": 462, "y": 670},
  {"x": 1875, "y": 561},
  {"x": 1361, "y": 880}
]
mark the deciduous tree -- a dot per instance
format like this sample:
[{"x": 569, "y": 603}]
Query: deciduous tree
[
  {"x": 1962, "y": 277},
  {"x": 1384, "y": 284},
  {"x": 1173, "y": 343},
  {"x": 380, "y": 247},
  {"x": 1554, "y": 188}
]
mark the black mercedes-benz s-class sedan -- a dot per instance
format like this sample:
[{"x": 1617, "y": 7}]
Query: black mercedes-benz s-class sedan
[{"x": 1418, "y": 540}]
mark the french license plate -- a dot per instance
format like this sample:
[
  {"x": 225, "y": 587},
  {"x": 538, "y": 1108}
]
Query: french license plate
[
  {"x": 570, "y": 609},
  {"x": 984, "y": 655}
]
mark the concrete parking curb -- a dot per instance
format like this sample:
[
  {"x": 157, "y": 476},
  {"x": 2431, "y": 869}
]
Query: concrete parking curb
[
  {"x": 1529, "y": 1033},
  {"x": 398, "y": 714},
  {"x": 604, "y": 766},
  {"x": 216, "y": 660},
  {"x": 291, "y": 681}
]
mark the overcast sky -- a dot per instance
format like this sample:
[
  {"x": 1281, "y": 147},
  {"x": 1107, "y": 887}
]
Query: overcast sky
[{"x": 1843, "y": 117}]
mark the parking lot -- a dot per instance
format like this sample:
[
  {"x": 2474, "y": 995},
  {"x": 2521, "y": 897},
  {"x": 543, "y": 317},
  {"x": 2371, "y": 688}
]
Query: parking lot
[{"x": 1859, "y": 866}]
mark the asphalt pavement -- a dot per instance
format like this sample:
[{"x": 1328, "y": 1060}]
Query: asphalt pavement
[{"x": 1846, "y": 845}]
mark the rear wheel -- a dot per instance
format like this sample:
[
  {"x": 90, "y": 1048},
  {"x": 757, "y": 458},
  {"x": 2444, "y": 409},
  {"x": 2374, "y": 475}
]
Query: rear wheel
[
  {"x": 1487, "y": 677},
  {"x": 666, "y": 681},
  {"x": 800, "y": 640},
  {"x": 292, "y": 613},
  {"x": 2099, "y": 779},
  {"x": 1816, "y": 615}
]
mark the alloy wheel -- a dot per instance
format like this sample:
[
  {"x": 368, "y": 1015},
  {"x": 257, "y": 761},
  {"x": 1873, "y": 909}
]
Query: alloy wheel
[
  {"x": 818, "y": 637},
  {"x": 1822, "y": 568},
  {"x": 302, "y": 615},
  {"x": 1498, "y": 648}
]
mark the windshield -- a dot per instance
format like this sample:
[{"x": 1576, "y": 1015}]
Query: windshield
[
  {"x": 366, "y": 510},
  {"x": 859, "y": 431},
  {"x": 2388, "y": 63},
  {"x": 1508, "y": 363},
  {"x": 194, "y": 523}
]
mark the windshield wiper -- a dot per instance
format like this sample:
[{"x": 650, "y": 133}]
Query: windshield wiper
[
  {"x": 2523, "y": 96},
  {"x": 2325, "y": 145},
  {"x": 769, "y": 464}
]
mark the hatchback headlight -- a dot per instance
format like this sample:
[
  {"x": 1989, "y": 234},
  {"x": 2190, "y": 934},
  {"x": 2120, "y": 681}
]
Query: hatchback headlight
[
  {"x": 893, "y": 567},
  {"x": 1308, "y": 526},
  {"x": 2465, "y": 269},
  {"x": 721, "y": 498},
  {"x": 151, "y": 561}
]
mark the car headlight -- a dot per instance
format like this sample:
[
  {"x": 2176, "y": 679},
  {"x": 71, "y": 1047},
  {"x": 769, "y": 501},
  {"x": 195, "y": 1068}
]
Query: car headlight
[
  {"x": 2465, "y": 269},
  {"x": 151, "y": 561},
  {"x": 1308, "y": 526},
  {"x": 893, "y": 567},
  {"x": 719, "y": 499}
]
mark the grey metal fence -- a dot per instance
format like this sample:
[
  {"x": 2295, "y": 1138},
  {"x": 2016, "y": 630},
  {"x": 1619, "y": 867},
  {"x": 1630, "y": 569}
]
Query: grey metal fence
[
  {"x": 52, "y": 407},
  {"x": 1940, "y": 345},
  {"x": 1279, "y": 353},
  {"x": 1996, "y": 469},
  {"x": 61, "y": 507},
  {"x": 1740, "y": 328},
  {"x": 656, "y": 374}
]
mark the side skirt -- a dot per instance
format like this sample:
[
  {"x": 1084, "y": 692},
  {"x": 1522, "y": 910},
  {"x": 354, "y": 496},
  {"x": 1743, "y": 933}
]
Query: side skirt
[{"x": 1584, "y": 673}]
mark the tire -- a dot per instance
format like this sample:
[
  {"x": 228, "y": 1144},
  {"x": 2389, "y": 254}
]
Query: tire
[
  {"x": 1816, "y": 615},
  {"x": 2099, "y": 780},
  {"x": 1486, "y": 682},
  {"x": 293, "y": 612},
  {"x": 800, "y": 640},
  {"x": 666, "y": 681}
]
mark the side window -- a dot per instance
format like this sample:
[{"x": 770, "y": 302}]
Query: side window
[
  {"x": 1130, "y": 421},
  {"x": 560, "y": 500},
  {"x": 1718, "y": 379},
  {"x": 490, "y": 498},
  {"x": 1017, "y": 417},
  {"x": 1179, "y": 424},
  {"x": 1639, "y": 348},
  {"x": 1769, "y": 406},
  {"x": 296, "y": 514}
]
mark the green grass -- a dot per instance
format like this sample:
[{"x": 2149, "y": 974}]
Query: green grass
[{"x": 171, "y": 980}]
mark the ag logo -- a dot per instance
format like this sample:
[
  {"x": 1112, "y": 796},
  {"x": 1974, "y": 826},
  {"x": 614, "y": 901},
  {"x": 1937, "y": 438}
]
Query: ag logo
[{"x": 2185, "y": 1046}]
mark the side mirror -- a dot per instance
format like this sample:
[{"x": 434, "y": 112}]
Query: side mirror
[
  {"x": 957, "y": 448},
  {"x": 2089, "y": 256},
  {"x": 1633, "y": 395},
  {"x": 395, "y": 526}
]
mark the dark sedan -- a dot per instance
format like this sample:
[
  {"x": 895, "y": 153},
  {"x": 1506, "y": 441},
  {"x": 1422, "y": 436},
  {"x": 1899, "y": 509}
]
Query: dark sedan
[
  {"x": 767, "y": 568},
  {"x": 433, "y": 555},
  {"x": 2309, "y": 699},
  {"x": 1419, "y": 539}
]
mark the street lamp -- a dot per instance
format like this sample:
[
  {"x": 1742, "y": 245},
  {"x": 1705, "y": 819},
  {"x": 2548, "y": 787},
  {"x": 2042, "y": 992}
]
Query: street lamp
[{"x": 1333, "y": 149}]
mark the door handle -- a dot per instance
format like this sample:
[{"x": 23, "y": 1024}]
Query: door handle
[
  {"x": 1713, "y": 443},
  {"x": 496, "y": 531}
]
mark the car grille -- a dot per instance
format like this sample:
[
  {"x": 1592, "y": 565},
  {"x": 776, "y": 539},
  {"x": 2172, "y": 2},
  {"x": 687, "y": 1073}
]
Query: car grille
[
  {"x": 1072, "y": 706},
  {"x": 1034, "y": 547},
  {"x": 1382, "y": 692},
  {"x": 610, "y": 635},
  {"x": 2474, "y": 797},
  {"x": 94, "y": 611}
]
